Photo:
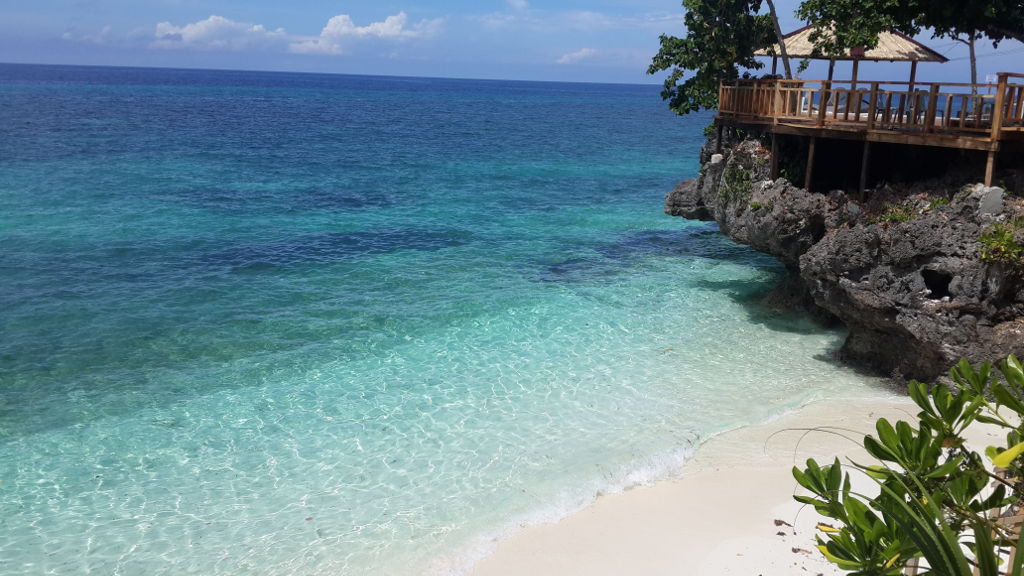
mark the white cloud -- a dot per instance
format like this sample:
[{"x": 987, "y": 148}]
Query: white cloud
[
  {"x": 217, "y": 33},
  {"x": 576, "y": 56},
  {"x": 341, "y": 27},
  {"x": 103, "y": 37},
  {"x": 587, "y": 20},
  {"x": 519, "y": 15}
]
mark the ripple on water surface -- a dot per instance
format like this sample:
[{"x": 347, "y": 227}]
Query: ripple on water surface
[{"x": 304, "y": 339}]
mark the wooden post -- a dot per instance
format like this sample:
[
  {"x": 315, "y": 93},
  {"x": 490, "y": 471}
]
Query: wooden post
[
  {"x": 718, "y": 140},
  {"x": 864, "y": 160},
  {"x": 990, "y": 167},
  {"x": 929, "y": 119},
  {"x": 997, "y": 127},
  {"x": 825, "y": 89},
  {"x": 872, "y": 105},
  {"x": 997, "y": 109},
  {"x": 809, "y": 172},
  {"x": 775, "y": 65},
  {"x": 777, "y": 104},
  {"x": 775, "y": 156}
]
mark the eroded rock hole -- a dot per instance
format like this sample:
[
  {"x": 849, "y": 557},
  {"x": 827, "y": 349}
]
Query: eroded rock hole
[{"x": 937, "y": 283}]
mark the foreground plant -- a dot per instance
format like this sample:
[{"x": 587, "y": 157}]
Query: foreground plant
[{"x": 935, "y": 497}]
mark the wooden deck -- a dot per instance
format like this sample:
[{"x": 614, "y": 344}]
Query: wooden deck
[{"x": 966, "y": 116}]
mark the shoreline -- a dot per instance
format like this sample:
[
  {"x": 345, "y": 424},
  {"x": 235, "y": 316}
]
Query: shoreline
[{"x": 728, "y": 511}]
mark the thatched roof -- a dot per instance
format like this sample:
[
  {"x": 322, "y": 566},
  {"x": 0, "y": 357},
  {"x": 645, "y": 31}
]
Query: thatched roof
[{"x": 892, "y": 46}]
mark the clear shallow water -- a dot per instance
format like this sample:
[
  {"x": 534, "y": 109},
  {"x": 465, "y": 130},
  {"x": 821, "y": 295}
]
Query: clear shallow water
[{"x": 260, "y": 323}]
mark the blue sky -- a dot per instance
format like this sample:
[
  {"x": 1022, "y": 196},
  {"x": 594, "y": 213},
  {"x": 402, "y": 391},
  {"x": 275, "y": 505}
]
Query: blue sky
[{"x": 575, "y": 40}]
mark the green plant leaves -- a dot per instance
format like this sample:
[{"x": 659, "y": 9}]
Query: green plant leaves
[
  {"x": 935, "y": 493},
  {"x": 1006, "y": 457}
]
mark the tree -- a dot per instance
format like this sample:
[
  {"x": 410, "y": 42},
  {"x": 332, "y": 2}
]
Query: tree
[
  {"x": 780, "y": 39},
  {"x": 933, "y": 499},
  {"x": 721, "y": 36},
  {"x": 853, "y": 23}
]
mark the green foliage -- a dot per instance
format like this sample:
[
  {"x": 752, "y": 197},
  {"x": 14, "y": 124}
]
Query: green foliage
[
  {"x": 721, "y": 36},
  {"x": 933, "y": 500},
  {"x": 759, "y": 205},
  {"x": 895, "y": 213},
  {"x": 999, "y": 243},
  {"x": 936, "y": 202},
  {"x": 857, "y": 23},
  {"x": 737, "y": 186}
]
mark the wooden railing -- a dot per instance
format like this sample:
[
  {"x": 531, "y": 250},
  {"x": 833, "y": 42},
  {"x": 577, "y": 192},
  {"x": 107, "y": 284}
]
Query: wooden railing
[{"x": 979, "y": 110}]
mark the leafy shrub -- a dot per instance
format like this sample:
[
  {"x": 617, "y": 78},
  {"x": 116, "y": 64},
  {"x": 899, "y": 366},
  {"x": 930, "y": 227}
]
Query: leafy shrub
[
  {"x": 737, "y": 186},
  {"x": 933, "y": 501},
  {"x": 895, "y": 213},
  {"x": 998, "y": 243}
]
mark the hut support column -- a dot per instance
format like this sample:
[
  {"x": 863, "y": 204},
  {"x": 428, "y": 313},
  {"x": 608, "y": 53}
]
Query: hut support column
[
  {"x": 718, "y": 139},
  {"x": 809, "y": 172},
  {"x": 864, "y": 163},
  {"x": 990, "y": 167}
]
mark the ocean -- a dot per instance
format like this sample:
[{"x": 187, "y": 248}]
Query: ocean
[{"x": 267, "y": 323}]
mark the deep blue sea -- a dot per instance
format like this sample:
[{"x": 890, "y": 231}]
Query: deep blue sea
[{"x": 268, "y": 324}]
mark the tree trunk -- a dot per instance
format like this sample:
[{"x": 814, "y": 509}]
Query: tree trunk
[
  {"x": 974, "y": 62},
  {"x": 971, "y": 37},
  {"x": 782, "y": 41}
]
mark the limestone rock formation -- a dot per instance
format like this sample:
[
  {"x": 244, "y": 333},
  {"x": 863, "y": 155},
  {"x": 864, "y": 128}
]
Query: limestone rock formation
[{"x": 904, "y": 271}]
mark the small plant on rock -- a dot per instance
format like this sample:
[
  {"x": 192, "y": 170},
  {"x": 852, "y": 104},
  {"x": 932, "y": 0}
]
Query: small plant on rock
[
  {"x": 895, "y": 213},
  {"x": 999, "y": 243}
]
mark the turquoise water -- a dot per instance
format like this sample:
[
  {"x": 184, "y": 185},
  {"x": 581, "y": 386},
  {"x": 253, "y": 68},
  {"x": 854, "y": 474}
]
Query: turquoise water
[{"x": 274, "y": 324}]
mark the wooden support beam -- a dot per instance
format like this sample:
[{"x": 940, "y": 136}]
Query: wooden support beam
[
  {"x": 872, "y": 105},
  {"x": 990, "y": 167},
  {"x": 998, "y": 109},
  {"x": 809, "y": 172},
  {"x": 937, "y": 140},
  {"x": 929, "y": 115},
  {"x": 718, "y": 139},
  {"x": 823, "y": 101},
  {"x": 864, "y": 163}
]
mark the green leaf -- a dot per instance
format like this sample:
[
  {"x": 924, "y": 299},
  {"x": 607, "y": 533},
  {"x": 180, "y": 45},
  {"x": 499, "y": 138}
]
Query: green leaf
[
  {"x": 1006, "y": 457},
  {"x": 922, "y": 522},
  {"x": 1017, "y": 568},
  {"x": 1005, "y": 398},
  {"x": 945, "y": 469},
  {"x": 984, "y": 549}
]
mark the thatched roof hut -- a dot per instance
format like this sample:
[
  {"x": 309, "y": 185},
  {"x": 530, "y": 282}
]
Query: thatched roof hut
[{"x": 892, "y": 47}]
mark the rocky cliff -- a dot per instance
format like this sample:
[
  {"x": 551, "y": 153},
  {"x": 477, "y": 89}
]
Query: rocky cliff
[{"x": 922, "y": 275}]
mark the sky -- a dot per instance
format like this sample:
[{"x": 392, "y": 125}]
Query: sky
[{"x": 566, "y": 40}]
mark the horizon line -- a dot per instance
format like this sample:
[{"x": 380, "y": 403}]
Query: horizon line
[{"x": 266, "y": 71}]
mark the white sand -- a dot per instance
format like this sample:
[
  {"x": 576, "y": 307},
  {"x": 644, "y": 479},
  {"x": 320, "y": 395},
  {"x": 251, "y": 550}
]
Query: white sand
[{"x": 718, "y": 517}]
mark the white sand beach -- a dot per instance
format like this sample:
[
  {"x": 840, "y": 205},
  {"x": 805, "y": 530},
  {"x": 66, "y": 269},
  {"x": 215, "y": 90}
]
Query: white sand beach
[{"x": 730, "y": 511}]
